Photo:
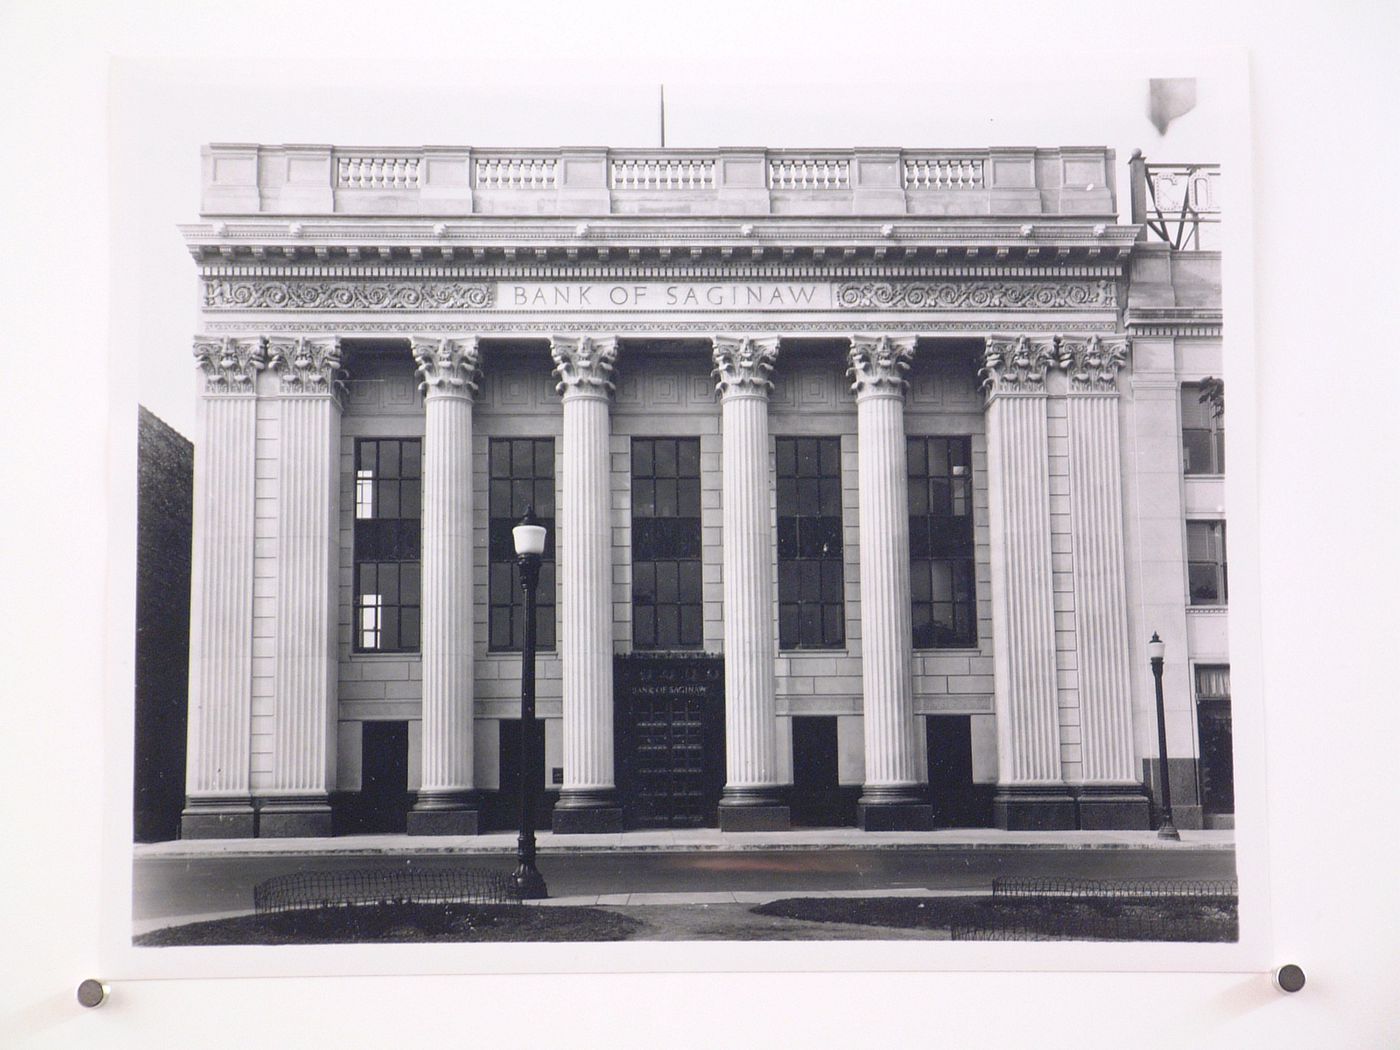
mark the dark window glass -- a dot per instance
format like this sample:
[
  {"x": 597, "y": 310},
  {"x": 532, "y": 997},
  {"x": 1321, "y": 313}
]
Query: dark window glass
[
  {"x": 1205, "y": 563},
  {"x": 388, "y": 529},
  {"x": 1202, "y": 433},
  {"x": 666, "y": 602},
  {"x": 522, "y": 476},
  {"x": 943, "y": 584},
  {"x": 811, "y": 602}
]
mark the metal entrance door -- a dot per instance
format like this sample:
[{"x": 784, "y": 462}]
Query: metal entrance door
[{"x": 670, "y": 738}]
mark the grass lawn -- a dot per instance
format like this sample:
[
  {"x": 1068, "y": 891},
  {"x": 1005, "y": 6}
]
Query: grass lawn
[
  {"x": 394, "y": 923},
  {"x": 1013, "y": 918}
]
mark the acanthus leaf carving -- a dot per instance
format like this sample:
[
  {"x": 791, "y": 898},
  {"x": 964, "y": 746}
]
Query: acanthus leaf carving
[
  {"x": 878, "y": 364},
  {"x": 1016, "y": 364},
  {"x": 447, "y": 366},
  {"x": 743, "y": 365},
  {"x": 307, "y": 365},
  {"x": 1093, "y": 363},
  {"x": 230, "y": 365},
  {"x": 257, "y": 293},
  {"x": 976, "y": 295},
  {"x": 583, "y": 365}
]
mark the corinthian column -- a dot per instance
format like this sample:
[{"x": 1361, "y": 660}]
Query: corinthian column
[
  {"x": 587, "y": 802},
  {"x": 752, "y": 792},
  {"x": 1030, "y": 792},
  {"x": 304, "y": 672},
  {"x": 893, "y": 799},
  {"x": 446, "y": 803},
  {"x": 218, "y": 801},
  {"x": 1111, "y": 796}
]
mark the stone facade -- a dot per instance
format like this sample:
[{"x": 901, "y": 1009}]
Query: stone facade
[{"x": 713, "y": 368}]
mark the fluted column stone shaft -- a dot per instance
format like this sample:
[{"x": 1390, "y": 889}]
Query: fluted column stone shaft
[
  {"x": 447, "y": 370},
  {"x": 877, "y": 367},
  {"x": 1100, "y": 574},
  {"x": 217, "y": 772},
  {"x": 304, "y": 668},
  {"x": 584, "y": 369},
  {"x": 1031, "y": 789},
  {"x": 752, "y": 779}
]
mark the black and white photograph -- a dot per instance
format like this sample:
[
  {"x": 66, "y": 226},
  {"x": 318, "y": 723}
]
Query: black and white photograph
[
  {"x": 692, "y": 541},
  {"x": 598, "y": 507}
]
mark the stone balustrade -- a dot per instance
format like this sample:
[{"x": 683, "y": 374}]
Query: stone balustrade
[{"x": 311, "y": 180}]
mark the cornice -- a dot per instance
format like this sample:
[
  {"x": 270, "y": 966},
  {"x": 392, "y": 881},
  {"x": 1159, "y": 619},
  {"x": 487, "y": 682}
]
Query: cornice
[
  {"x": 1174, "y": 321},
  {"x": 654, "y": 240}
]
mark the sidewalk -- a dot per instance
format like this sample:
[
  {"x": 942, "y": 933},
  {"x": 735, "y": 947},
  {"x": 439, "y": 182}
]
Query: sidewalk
[{"x": 690, "y": 840}]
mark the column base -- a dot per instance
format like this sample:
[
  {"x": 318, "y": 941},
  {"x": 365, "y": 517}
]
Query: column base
[
  {"x": 445, "y": 812},
  {"x": 753, "y": 809},
  {"x": 1113, "y": 807},
  {"x": 587, "y": 811},
  {"x": 294, "y": 817},
  {"x": 894, "y": 807},
  {"x": 217, "y": 819},
  {"x": 1033, "y": 809}
]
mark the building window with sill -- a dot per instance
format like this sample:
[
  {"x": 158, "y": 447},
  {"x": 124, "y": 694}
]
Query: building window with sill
[
  {"x": 521, "y": 477},
  {"x": 941, "y": 553},
  {"x": 1203, "y": 427},
  {"x": 811, "y": 562},
  {"x": 1205, "y": 560},
  {"x": 388, "y": 531}
]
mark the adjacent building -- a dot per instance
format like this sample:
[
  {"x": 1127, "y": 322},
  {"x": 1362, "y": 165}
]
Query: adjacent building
[{"x": 868, "y": 474}]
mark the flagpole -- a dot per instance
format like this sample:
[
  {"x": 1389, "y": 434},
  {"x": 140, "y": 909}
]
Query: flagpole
[{"x": 663, "y": 116}]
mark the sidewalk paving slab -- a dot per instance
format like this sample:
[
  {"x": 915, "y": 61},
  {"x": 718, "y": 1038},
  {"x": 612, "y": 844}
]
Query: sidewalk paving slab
[{"x": 689, "y": 840}]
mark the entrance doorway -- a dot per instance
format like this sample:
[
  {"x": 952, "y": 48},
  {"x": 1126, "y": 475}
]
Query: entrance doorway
[
  {"x": 817, "y": 799},
  {"x": 669, "y": 712},
  {"x": 503, "y": 807},
  {"x": 957, "y": 801},
  {"x": 384, "y": 801},
  {"x": 1217, "y": 765}
]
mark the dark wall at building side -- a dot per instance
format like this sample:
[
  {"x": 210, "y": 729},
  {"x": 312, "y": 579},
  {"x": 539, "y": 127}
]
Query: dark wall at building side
[{"x": 165, "y": 500}]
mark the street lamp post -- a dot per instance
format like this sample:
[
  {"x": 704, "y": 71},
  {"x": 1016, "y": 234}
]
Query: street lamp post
[
  {"x": 1157, "y": 650},
  {"x": 529, "y": 538}
]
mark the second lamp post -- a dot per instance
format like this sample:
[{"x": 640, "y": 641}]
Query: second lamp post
[
  {"x": 529, "y": 537},
  {"x": 1157, "y": 650}
]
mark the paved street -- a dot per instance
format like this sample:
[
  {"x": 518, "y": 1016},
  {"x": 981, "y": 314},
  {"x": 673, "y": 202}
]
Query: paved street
[{"x": 180, "y": 882}]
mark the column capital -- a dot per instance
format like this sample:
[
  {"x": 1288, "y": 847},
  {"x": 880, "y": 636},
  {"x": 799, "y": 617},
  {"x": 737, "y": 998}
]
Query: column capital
[
  {"x": 742, "y": 365},
  {"x": 1016, "y": 364},
  {"x": 447, "y": 367},
  {"x": 583, "y": 365},
  {"x": 230, "y": 365},
  {"x": 306, "y": 364},
  {"x": 878, "y": 364},
  {"x": 1093, "y": 362}
]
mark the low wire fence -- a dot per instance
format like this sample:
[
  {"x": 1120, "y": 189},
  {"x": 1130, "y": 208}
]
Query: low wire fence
[
  {"x": 1112, "y": 889},
  {"x": 341, "y": 889},
  {"x": 1057, "y": 909}
]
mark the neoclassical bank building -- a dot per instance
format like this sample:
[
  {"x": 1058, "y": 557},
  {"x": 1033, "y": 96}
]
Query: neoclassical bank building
[{"x": 868, "y": 475}]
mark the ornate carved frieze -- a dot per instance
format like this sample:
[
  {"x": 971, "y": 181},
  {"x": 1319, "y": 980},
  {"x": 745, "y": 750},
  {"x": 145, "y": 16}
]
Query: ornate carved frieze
[
  {"x": 1016, "y": 364},
  {"x": 976, "y": 295},
  {"x": 308, "y": 365},
  {"x": 878, "y": 364},
  {"x": 1093, "y": 363},
  {"x": 583, "y": 365},
  {"x": 447, "y": 366},
  {"x": 743, "y": 365},
  {"x": 258, "y": 293},
  {"x": 230, "y": 365}
]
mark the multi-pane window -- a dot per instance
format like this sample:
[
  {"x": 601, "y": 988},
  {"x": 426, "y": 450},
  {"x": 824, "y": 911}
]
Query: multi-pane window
[
  {"x": 522, "y": 477},
  {"x": 1205, "y": 562},
  {"x": 388, "y": 527},
  {"x": 811, "y": 566},
  {"x": 1202, "y": 431},
  {"x": 666, "y": 591},
  {"x": 941, "y": 554}
]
